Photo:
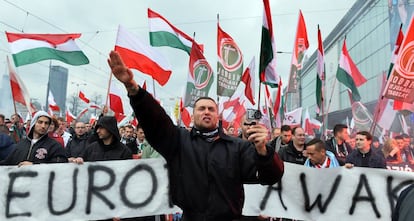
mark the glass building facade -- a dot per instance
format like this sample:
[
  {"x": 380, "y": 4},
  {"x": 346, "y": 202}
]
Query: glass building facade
[{"x": 366, "y": 28}]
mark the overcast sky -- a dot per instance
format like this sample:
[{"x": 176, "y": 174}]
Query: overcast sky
[{"x": 97, "y": 21}]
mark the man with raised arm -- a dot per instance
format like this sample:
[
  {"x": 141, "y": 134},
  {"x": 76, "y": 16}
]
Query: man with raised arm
[{"x": 207, "y": 169}]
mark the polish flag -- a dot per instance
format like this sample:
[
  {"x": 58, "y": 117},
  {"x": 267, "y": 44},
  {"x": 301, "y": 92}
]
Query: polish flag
[
  {"x": 94, "y": 106},
  {"x": 248, "y": 80},
  {"x": 82, "y": 113},
  {"x": 52, "y": 103},
  {"x": 19, "y": 91},
  {"x": 69, "y": 117},
  {"x": 82, "y": 97},
  {"x": 184, "y": 114},
  {"x": 143, "y": 57},
  {"x": 115, "y": 101},
  {"x": 310, "y": 124}
]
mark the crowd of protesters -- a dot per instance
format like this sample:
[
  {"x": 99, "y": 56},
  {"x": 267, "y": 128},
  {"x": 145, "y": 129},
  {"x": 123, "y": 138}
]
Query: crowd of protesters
[
  {"x": 75, "y": 142},
  {"x": 46, "y": 139}
]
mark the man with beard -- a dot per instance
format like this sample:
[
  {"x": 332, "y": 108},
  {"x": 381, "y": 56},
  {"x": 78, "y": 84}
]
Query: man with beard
[{"x": 37, "y": 147}]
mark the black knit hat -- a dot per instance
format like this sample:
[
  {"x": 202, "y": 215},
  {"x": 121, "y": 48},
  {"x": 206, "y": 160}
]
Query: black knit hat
[{"x": 110, "y": 124}]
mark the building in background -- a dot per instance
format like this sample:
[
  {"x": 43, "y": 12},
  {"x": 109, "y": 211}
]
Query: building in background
[
  {"x": 370, "y": 28},
  {"x": 58, "y": 84}
]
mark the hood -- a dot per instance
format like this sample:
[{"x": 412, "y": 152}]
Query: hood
[
  {"x": 110, "y": 124},
  {"x": 34, "y": 120}
]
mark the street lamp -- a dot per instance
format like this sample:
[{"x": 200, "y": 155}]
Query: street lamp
[{"x": 75, "y": 105}]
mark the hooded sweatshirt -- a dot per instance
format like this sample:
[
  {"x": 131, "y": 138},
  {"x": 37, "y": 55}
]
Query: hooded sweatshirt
[
  {"x": 44, "y": 150},
  {"x": 98, "y": 151}
]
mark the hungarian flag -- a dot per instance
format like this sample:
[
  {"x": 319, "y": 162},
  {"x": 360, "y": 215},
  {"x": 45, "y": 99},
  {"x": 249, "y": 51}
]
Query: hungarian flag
[
  {"x": 267, "y": 69},
  {"x": 277, "y": 104},
  {"x": 83, "y": 97},
  {"x": 163, "y": 33},
  {"x": 52, "y": 103},
  {"x": 32, "y": 48},
  {"x": 310, "y": 124},
  {"x": 300, "y": 46},
  {"x": 348, "y": 73},
  {"x": 115, "y": 101},
  {"x": 229, "y": 64},
  {"x": 248, "y": 80},
  {"x": 69, "y": 117},
  {"x": 19, "y": 91},
  {"x": 142, "y": 57},
  {"x": 320, "y": 76}
]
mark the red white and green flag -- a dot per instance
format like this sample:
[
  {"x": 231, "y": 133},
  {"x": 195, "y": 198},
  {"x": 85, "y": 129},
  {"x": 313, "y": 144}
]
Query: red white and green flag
[
  {"x": 400, "y": 84},
  {"x": 320, "y": 77},
  {"x": 277, "y": 105},
  {"x": 348, "y": 73},
  {"x": 142, "y": 57},
  {"x": 267, "y": 68},
  {"x": 200, "y": 77},
  {"x": 163, "y": 33},
  {"x": 229, "y": 64},
  {"x": 300, "y": 46},
  {"x": 32, "y": 48}
]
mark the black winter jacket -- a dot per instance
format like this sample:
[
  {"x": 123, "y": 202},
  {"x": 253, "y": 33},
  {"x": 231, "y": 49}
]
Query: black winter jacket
[
  {"x": 76, "y": 145},
  {"x": 291, "y": 155},
  {"x": 46, "y": 150},
  {"x": 206, "y": 178},
  {"x": 98, "y": 151},
  {"x": 374, "y": 158}
]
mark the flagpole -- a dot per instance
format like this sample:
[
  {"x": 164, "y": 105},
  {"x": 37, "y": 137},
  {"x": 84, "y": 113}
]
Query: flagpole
[
  {"x": 10, "y": 81},
  {"x": 153, "y": 87},
  {"x": 107, "y": 92}
]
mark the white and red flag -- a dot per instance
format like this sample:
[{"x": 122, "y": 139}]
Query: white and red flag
[
  {"x": 185, "y": 116},
  {"x": 248, "y": 80},
  {"x": 83, "y": 97},
  {"x": 142, "y": 57},
  {"x": 69, "y": 117},
  {"x": 310, "y": 124},
  {"x": 115, "y": 100},
  {"x": 52, "y": 103},
  {"x": 19, "y": 91}
]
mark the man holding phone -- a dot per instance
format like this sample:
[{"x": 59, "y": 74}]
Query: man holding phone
[{"x": 207, "y": 169}]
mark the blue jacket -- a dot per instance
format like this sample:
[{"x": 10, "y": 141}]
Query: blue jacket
[{"x": 6, "y": 145}]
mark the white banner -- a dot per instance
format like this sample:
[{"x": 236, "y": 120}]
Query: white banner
[
  {"x": 133, "y": 188},
  {"x": 329, "y": 194}
]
